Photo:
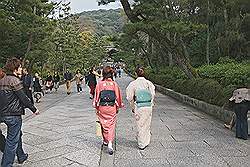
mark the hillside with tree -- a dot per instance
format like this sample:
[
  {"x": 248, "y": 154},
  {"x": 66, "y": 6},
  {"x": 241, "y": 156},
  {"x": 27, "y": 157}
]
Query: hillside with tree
[{"x": 102, "y": 22}]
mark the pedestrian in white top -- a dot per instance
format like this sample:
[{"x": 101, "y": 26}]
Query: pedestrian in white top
[{"x": 140, "y": 94}]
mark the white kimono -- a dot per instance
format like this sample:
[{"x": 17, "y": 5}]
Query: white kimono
[{"x": 143, "y": 115}]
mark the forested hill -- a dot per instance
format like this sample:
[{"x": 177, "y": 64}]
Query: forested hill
[{"x": 102, "y": 22}]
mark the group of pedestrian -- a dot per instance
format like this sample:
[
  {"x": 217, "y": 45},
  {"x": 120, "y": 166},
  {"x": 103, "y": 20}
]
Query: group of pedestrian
[
  {"x": 108, "y": 100},
  {"x": 16, "y": 95}
]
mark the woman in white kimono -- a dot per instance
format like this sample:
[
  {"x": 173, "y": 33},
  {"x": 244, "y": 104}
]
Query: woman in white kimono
[{"x": 140, "y": 94}]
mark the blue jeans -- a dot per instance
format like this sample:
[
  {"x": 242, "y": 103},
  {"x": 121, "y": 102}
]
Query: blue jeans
[{"x": 13, "y": 144}]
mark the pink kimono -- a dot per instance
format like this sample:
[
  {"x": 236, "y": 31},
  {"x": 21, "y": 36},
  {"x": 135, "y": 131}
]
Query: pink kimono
[{"x": 107, "y": 114}]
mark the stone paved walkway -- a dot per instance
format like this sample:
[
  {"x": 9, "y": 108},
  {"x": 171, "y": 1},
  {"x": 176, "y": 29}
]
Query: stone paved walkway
[{"x": 63, "y": 135}]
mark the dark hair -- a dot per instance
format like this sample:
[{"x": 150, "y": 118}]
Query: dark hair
[
  {"x": 140, "y": 72},
  {"x": 12, "y": 64},
  {"x": 91, "y": 69},
  {"x": 107, "y": 72},
  {"x": 1, "y": 73}
]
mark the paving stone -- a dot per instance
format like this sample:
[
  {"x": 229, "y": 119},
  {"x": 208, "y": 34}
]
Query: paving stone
[
  {"x": 52, "y": 162},
  {"x": 76, "y": 165},
  {"x": 184, "y": 144},
  {"x": 197, "y": 161},
  {"x": 191, "y": 137},
  {"x": 39, "y": 132},
  {"x": 84, "y": 158},
  {"x": 31, "y": 139},
  {"x": 142, "y": 163},
  {"x": 237, "y": 161},
  {"x": 54, "y": 144},
  {"x": 31, "y": 149},
  {"x": 130, "y": 154},
  {"x": 229, "y": 152},
  {"x": 58, "y": 151}
]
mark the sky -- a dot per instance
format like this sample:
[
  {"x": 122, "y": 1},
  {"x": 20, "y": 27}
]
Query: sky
[{"x": 78, "y": 6}]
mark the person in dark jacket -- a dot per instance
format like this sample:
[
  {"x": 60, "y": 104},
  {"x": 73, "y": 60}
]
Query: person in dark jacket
[
  {"x": 56, "y": 80},
  {"x": 49, "y": 82},
  {"x": 12, "y": 104},
  {"x": 27, "y": 80},
  {"x": 38, "y": 92},
  {"x": 241, "y": 99},
  {"x": 2, "y": 137},
  {"x": 91, "y": 82},
  {"x": 68, "y": 77}
]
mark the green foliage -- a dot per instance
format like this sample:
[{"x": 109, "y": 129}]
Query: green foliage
[
  {"x": 237, "y": 74},
  {"x": 207, "y": 90},
  {"x": 215, "y": 86},
  {"x": 166, "y": 76},
  {"x": 47, "y": 37}
]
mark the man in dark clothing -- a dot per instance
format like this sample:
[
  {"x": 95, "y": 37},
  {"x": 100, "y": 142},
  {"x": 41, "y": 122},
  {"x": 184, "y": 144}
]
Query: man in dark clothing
[
  {"x": 91, "y": 82},
  {"x": 2, "y": 137},
  {"x": 38, "y": 92},
  {"x": 68, "y": 77},
  {"x": 27, "y": 80},
  {"x": 49, "y": 82},
  {"x": 12, "y": 103},
  {"x": 56, "y": 80}
]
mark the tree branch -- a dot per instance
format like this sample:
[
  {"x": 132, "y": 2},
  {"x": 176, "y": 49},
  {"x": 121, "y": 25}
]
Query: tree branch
[{"x": 129, "y": 12}]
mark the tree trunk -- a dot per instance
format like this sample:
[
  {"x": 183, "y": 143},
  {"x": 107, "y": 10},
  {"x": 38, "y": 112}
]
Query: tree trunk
[
  {"x": 170, "y": 59},
  {"x": 208, "y": 34},
  {"x": 29, "y": 43},
  {"x": 30, "y": 67},
  {"x": 148, "y": 58},
  {"x": 225, "y": 14},
  {"x": 129, "y": 12},
  {"x": 184, "y": 47},
  {"x": 30, "y": 40},
  {"x": 207, "y": 46}
]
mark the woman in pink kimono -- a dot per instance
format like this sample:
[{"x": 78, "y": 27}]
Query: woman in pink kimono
[
  {"x": 140, "y": 94},
  {"x": 107, "y": 101}
]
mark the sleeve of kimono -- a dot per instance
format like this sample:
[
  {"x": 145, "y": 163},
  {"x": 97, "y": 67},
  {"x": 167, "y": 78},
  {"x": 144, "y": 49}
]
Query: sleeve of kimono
[
  {"x": 96, "y": 98},
  {"x": 152, "y": 89},
  {"x": 130, "y": 92},
  {"x": 130, "y": 95},
  {"x": 119, "y": 96}
]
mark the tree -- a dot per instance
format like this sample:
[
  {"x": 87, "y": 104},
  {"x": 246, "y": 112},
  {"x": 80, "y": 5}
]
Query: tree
[{"x": 150, "y": 18}]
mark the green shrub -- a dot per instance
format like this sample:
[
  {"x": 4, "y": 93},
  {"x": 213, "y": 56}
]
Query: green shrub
[
  {"x": 203, "y": 89},
  {"x": 215, "y": 86},
  {"x": 227, "y": 74}
]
